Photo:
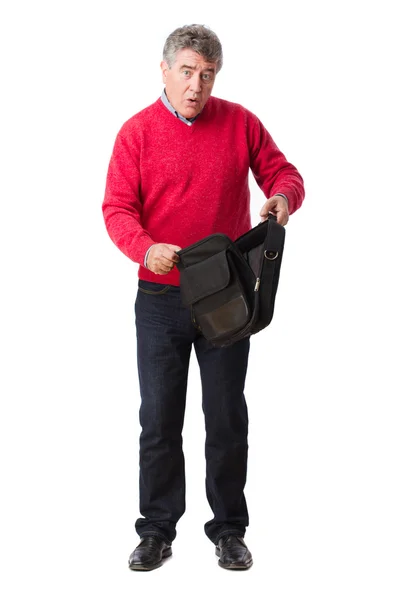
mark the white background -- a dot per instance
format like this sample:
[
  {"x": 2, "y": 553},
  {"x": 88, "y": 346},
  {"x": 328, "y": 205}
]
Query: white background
[{"x": 322, "y": 388}]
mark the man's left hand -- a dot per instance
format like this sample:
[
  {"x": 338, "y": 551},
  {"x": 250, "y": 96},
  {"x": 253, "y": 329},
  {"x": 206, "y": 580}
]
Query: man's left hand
[{"x": 278, "y": 206}]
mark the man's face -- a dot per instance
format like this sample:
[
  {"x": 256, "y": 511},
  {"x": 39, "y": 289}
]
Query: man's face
[{"x": 189, "y": 82}]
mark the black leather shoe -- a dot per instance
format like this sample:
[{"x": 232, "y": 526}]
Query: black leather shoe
[
  {"x": 233, "y": 553},
  {"x": 149, "y": 554}
]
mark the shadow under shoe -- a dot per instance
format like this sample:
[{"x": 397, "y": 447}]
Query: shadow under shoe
[
  {"x": 233, "y": 553},
  {"x": 149, "y": 554}
]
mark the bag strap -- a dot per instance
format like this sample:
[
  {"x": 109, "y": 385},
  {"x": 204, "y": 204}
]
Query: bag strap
[{"x": 272, "y": 246}]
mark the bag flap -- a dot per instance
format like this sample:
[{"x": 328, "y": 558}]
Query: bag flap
[
  {"x": 203, "y": 249},
  {"x": 204, "y": 278}
]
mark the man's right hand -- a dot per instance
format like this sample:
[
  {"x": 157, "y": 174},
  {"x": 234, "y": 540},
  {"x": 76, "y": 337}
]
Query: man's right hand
[{"x": 162, "y": 258}]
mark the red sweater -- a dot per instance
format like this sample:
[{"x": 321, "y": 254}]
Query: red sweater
[{"x": 172, "y": 183}]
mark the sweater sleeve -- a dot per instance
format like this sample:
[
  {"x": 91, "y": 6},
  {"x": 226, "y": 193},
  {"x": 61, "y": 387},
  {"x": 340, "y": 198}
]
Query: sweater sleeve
[
  {"x": 272, "y": 172},
  {"x": 122, "y": 206}
]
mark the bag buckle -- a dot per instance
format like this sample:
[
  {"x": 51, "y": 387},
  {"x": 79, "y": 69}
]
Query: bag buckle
[{"x": 270, "y": 254}]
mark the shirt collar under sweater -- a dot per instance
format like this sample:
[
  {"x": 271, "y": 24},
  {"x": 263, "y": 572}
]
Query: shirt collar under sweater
[{"x": 174, "y": 112}]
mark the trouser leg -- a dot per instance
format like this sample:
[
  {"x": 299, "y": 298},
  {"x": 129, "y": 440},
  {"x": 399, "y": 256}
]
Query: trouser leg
[
  {"x": 164, "y": 338},
  {"x": 223, "y": 374}
]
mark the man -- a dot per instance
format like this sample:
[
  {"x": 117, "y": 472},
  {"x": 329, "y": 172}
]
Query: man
[{"x": 179, "y": 172}]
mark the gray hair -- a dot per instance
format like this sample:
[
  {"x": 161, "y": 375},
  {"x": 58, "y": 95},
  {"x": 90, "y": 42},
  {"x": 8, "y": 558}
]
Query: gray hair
[{"x": 198, "y": 38}]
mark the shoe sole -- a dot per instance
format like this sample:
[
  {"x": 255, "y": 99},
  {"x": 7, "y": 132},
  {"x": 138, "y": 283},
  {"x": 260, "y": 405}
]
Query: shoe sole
[
  {"x": 143, "y": 567},
  {"x": 232, "y": 566}
]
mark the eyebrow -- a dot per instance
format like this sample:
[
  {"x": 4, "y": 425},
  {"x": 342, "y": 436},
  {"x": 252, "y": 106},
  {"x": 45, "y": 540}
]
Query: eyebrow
[{"x": 194, "y": 68}]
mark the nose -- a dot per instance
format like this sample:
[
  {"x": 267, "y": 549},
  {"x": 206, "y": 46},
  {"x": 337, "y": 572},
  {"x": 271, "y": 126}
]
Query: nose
[{"x": 195, "y": 83}]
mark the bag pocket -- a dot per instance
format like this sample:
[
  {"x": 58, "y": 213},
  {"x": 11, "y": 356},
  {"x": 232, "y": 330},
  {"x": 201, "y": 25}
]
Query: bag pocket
[{"x": 219, "y": 304}]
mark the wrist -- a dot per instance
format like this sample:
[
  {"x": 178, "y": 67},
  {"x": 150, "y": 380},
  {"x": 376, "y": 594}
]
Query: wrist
[
  {"x": 283, "y": 196},
  {"x": 146, "y": 256}
]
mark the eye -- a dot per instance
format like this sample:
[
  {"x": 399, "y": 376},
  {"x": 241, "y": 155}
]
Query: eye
[
  {"x": 186, "y": 73},
  {"x": 207, "y": 77}
]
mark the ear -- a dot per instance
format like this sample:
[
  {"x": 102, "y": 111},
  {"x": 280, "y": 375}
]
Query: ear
[{"x": 164, "y": 69}]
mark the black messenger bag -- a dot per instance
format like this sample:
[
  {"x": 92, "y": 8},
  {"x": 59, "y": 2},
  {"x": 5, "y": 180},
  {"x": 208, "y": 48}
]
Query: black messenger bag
[{"x": 230, "y": 286}]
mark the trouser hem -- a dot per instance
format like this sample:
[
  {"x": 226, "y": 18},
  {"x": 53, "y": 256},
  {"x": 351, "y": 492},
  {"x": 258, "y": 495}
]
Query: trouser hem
[
  {"x": 155, "y": 533},
  {"x": 235, "y": 532}
]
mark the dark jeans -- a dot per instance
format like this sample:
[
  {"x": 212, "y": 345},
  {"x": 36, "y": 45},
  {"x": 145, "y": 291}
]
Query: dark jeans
[{"x": 165, "y": 335}]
